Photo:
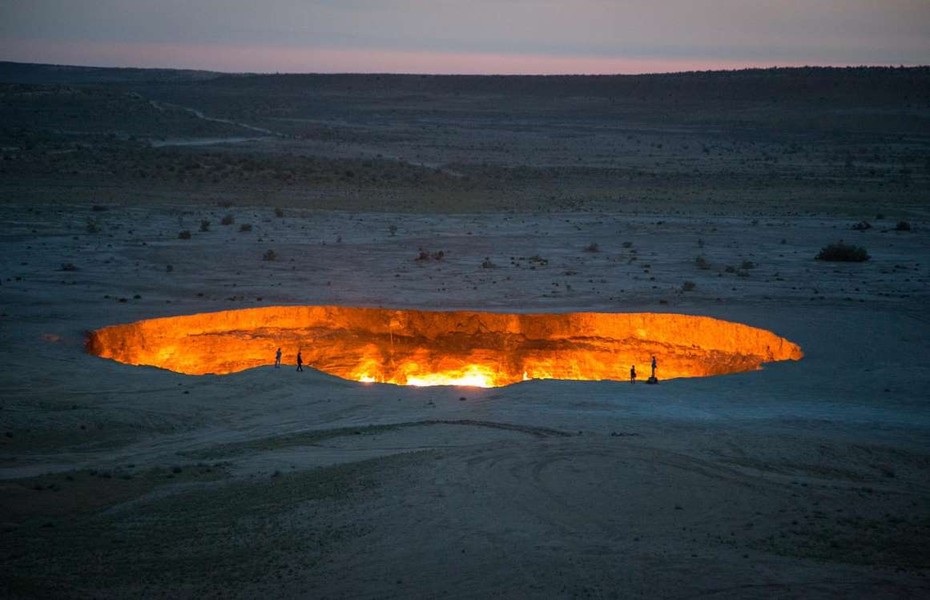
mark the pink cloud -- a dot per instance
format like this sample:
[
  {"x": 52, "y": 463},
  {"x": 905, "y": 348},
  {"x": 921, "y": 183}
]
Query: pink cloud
[{"x": 265, "y": 59}]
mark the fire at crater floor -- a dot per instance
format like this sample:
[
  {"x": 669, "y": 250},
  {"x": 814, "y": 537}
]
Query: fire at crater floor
[{"x": 469, "y": 348}]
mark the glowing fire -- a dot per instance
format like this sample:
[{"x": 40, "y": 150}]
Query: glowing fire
[{"x": 411, "y": 347}]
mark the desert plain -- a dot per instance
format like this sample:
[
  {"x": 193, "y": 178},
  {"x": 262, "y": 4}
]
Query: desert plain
[{"x": 705, "y": 194}]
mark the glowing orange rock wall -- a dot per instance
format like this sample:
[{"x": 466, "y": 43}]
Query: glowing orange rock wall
[{"x": 414, "y": 347}]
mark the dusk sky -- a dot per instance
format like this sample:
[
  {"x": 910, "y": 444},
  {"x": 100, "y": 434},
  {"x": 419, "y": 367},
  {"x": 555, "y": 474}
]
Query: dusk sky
[{"x": 474, "y": 36}]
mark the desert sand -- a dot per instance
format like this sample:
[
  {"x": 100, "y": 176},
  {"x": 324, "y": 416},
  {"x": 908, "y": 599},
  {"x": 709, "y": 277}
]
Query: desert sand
[{"x": 804, "y": 479}]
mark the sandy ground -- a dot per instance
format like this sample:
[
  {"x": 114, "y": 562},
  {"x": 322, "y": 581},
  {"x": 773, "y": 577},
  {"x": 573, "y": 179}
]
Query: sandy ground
[{"x": 805, "y": 479}]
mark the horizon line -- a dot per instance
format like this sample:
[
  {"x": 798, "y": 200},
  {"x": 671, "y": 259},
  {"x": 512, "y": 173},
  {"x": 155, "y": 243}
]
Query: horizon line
[{"x": 772, "y": 67}]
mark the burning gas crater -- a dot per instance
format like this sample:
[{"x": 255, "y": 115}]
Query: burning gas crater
[{"x": 415, "y": 347}]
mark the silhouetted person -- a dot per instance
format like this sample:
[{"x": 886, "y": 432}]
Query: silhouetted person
[
  {"x": 277, "y": 359},
  {"x": 653, "y": 367},
  {"x": 633, "y": 374},
  {"x": 300, "y": 361}
]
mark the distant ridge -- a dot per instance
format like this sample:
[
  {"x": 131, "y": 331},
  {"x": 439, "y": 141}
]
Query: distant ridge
[
  {"x": 42, "y": 73},
  {"x": 45, "y": 74},
  {"x": 715, "y": 90}
]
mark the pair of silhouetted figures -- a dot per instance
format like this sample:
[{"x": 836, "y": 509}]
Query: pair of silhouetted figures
[
  {"x": 652, "y": 378},
  {"x": 300, "y": 360}
]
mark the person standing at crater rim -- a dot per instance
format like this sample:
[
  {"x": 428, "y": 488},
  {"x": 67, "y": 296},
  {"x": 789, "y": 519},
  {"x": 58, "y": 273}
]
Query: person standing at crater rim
[
  {"x": 300, "y": 361},
  {"x": 653, "y": 367},
  {"x": 277, "y": 359},
  {"x": 632, "y": 373}
]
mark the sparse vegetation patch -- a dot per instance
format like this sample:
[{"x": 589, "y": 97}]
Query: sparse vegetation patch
[{"x": 840, "y": 252}]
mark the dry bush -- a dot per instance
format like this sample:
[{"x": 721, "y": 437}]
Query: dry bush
[
  {"x": 423, "y": 255},
  {"x": 228, "y": 220},
  {"x": 538, "y": 260},
  {"x": 592, "y": 247},
  {"x": 184, "y": 235},
  {"x": 862, "y": 226},
  {"x": 840, "y": 252},
  {"x": 902, "y": 226},
  {"x": 270, "y": 255},
  {"x": 688, "y": 286},
  {"x": 204, "y": 225},
  {"x": 245, "y": 227}
]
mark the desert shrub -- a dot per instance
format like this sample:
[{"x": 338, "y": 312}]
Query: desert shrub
[
  {"x": 688, "y": 286},
  {"x": 627, "y": 244},
  {"x": 184, "y": 235},
  {"x": 539, "y": 260},
  {"x": 592, "y": 247},
  {"x": 730, "y": 269},
  {"x": 92, "y": 225},
  {"x": 427, "y": 255},
  {"x": 487, "y": 264},
  {"x": 270, "y": 255},
  {"x": 68, "y": 267},
  {"x": 279, "y": 212},
  {"x": 701, "y": 262},
  {"x": 862, "y": 226},
  {"x": 840, "y": 252},
  {"x": 245, "y": 227},
  {"x": 747, "y": 264},
  {"x": 228, "y": 220},
  {"x": 902, "y": 226},
  {"x": 204, "y": 225}
]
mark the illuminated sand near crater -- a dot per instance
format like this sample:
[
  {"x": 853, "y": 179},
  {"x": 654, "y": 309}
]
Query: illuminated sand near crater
[{"x": 416, "y": 347}]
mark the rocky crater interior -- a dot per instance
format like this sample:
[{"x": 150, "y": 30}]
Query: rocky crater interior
[{"x": 416, "y": 347}]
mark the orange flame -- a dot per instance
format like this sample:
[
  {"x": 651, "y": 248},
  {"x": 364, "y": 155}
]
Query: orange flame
[{"x": 414, "y": 347}]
